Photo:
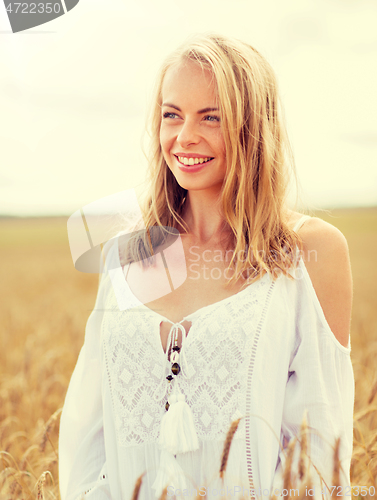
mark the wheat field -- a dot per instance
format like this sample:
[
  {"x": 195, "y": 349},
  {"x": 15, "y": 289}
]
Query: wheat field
[{"x": 44, "y": 307}]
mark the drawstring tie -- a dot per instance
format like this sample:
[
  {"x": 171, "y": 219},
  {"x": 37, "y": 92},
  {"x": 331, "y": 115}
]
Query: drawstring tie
[
  {"x": 177, "y": 431},
  {"x": 160, "y": 391}
]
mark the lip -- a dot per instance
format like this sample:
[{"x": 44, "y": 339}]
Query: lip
[
  {"x": 192, "y": 155},
  {"x": 193, "y": 168}
]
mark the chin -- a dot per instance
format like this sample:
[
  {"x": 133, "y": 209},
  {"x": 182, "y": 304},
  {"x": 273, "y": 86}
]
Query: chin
[{"x": 199, "y": 185}]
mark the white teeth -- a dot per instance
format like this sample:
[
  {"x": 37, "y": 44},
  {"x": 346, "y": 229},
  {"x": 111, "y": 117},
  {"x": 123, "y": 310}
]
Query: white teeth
[{"x": 193, "y": 161}]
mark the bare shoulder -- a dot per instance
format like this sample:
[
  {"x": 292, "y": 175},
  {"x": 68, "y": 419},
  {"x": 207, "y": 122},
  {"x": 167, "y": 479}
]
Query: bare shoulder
[
  {"x": 319, "y": 235},
  {"x": 326, "y": 257}
]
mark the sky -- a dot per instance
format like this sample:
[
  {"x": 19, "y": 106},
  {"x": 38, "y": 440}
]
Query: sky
[{"x": 75, "y": 93}]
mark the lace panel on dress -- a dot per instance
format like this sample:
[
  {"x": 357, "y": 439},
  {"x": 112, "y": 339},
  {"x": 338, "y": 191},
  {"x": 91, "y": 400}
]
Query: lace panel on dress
[{"x": 218, "y": 349}]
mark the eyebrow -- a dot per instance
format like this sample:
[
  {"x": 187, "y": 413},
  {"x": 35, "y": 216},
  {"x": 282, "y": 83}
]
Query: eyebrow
[{"x": 201, "y": 111}]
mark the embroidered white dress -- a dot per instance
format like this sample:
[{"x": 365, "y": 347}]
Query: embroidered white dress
[{"x": 266, "y": 354}]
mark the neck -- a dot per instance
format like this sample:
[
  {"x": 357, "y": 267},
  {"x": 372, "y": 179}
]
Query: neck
[{"x": 203, "y": 215}]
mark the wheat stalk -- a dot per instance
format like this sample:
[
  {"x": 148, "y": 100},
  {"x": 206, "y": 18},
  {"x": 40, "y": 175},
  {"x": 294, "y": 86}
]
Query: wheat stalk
[
  {"x": 49, "y": 425},
  {"x": 228, "y": 441},
  {"x": 164, "y": 494},
  {"x": 288, "y": 466},
  {"x": 25, "y": 457},
  {"x": 373, "y": 392},
  {"x": 302, "y": 463},
  {"x": 372, "y": 443},
  {"x": 40, "y": 484},
  {"x": 135, "y": 494},
  {"x": 305, "y": 484},
  {"x": 336, "y": 468}
]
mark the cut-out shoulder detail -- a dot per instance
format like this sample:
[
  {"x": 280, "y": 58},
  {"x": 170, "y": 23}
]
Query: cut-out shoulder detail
[
  {"x": 318, "y": 306},
  {"x": 327, "y": 262}
]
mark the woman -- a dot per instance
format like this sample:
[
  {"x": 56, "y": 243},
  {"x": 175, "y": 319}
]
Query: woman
[{"x": 259, "y": 330}]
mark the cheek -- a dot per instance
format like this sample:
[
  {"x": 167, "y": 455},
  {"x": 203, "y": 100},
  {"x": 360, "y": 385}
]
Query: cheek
[
  {"x": 220, "y": 143},
  {"x": 218, "y": 140},
  {"x": 165, "y": 144},
  {"x": 164, "y": 139}
]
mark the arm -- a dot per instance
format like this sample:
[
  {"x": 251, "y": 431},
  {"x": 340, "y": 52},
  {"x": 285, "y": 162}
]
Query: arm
[
  {"x": 321, "y": 377},
  {"x": 326, "y": 258},
  {"x": 82, "y": 459}
]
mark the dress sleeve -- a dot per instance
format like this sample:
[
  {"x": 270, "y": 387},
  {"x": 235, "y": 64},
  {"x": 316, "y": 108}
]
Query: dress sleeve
[
  {"x": 321, "y": 381},
  {"x": 82, "y": 457}
]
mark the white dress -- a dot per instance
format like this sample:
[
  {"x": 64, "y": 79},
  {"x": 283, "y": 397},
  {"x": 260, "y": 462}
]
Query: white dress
[{"x": 265, "y": 354}]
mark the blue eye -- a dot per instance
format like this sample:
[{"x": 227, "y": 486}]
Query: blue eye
[
  {"x": 212, "y": 118},
  {"x": 168, "y": 115}
]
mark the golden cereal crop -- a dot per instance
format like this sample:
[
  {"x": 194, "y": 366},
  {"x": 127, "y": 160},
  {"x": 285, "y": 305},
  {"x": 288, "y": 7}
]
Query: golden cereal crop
[{"x": 44, "y": 307}]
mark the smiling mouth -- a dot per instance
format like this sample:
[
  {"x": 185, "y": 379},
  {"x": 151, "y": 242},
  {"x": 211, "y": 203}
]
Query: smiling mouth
[{"x": 193, "y": 161}]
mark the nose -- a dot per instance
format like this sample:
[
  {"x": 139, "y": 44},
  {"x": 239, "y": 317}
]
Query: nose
[{"x": 188, "y": 134}]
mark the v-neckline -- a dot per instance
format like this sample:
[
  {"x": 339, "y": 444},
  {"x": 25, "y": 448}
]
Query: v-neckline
[{"x": 198, "y": 311}]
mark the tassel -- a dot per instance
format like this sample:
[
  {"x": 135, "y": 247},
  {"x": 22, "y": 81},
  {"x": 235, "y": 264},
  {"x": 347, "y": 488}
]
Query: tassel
[
  {"x": 178, "y": 434},
  {"x": 170, "y": 474}
]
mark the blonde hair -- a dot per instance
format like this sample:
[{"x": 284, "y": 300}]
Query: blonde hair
[{"x": 258, "y": 154}]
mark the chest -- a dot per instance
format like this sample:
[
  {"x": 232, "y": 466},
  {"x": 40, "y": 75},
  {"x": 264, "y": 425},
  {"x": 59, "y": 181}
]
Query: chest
[{"x": 206, "y": 274}]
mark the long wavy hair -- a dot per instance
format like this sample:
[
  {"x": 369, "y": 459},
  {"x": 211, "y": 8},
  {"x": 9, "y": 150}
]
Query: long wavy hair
[{"x": 258, "y": 155}]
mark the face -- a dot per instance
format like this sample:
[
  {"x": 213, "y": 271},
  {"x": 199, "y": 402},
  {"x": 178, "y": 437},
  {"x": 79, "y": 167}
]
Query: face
[{"x": 191, "y": 133}]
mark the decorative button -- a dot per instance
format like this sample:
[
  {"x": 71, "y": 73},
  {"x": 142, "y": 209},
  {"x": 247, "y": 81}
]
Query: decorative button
[
  {"x": 176, "y": 348},
  {"x": 169, "y": 377},
  {"x": 175, "y": 368},
  {"x": 167, "y": 405}
]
